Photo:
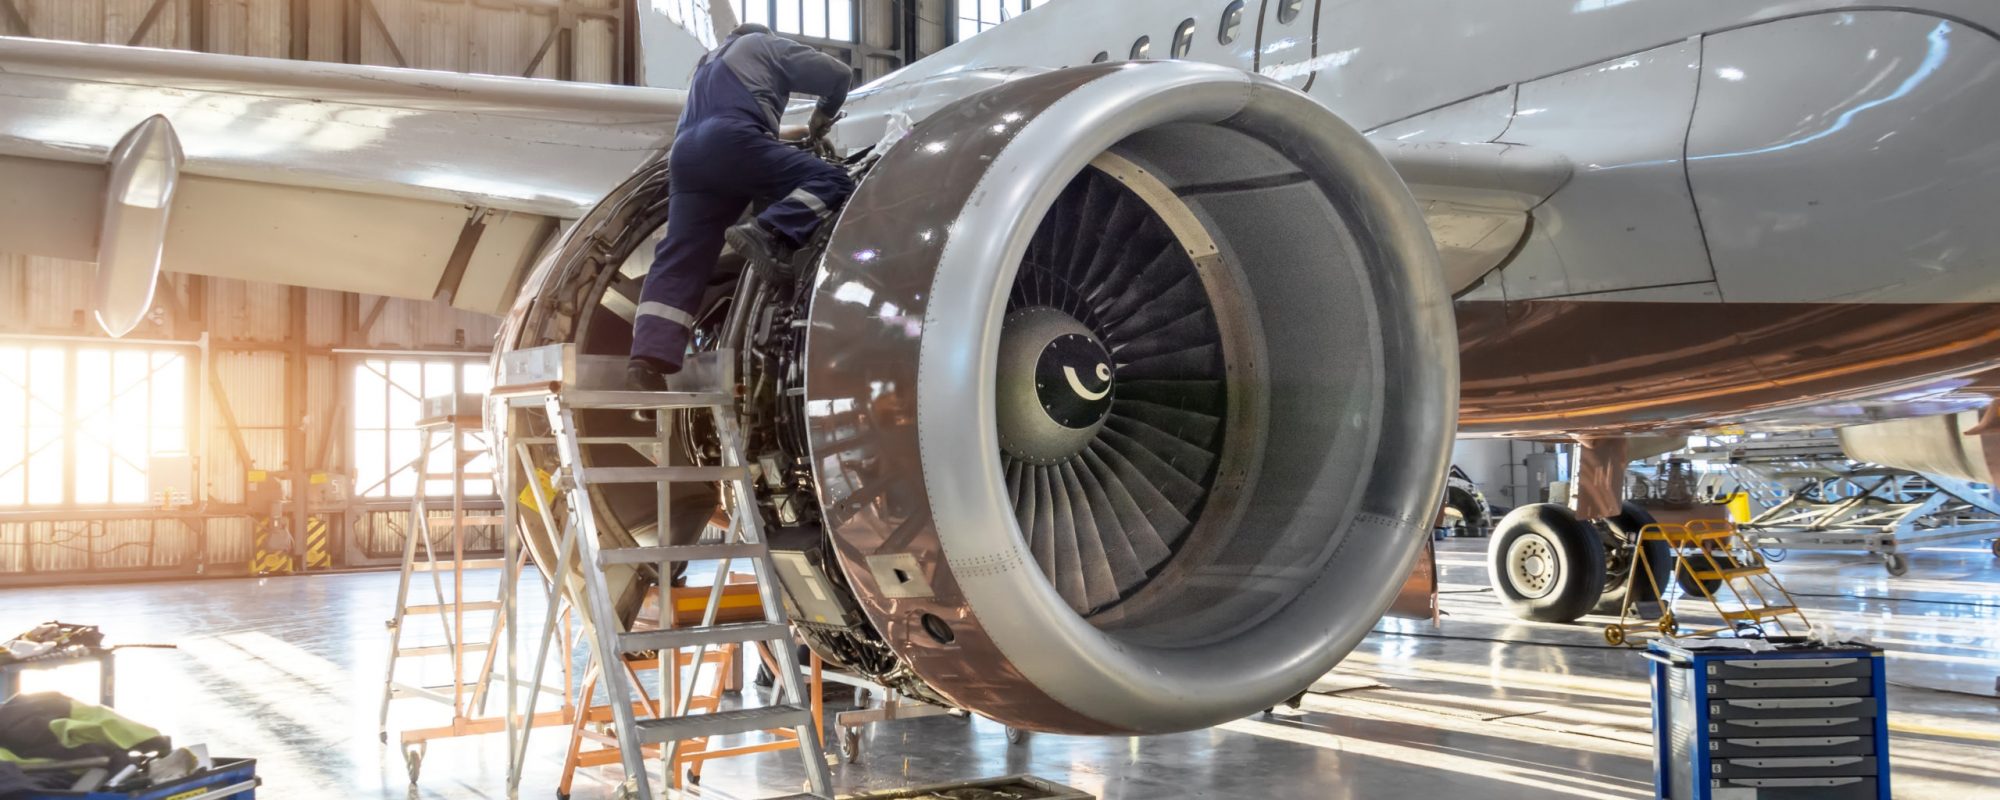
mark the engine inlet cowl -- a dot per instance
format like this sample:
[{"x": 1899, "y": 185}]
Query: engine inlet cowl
[{"x": 1149, "y": 370}]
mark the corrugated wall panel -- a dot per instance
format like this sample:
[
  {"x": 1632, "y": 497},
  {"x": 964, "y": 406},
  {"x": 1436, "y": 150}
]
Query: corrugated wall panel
[
  {"x": 324, "y": 401},
  {"x": 248, "y": 312},
  {"x": 228, "y": 543},
  {"x": 13, "y": 292},
  {"x": 325, "y": 314},
  {"x": 250, "y": 28},
  {"x": 59, "y": 294},
  {"x": 597, "y": 50}
]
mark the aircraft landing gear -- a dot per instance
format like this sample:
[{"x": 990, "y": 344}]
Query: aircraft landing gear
[{"x": 1545, "y": 564}]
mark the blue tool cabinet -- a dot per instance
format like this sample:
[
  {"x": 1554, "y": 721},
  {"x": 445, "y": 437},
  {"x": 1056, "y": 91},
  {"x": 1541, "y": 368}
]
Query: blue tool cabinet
[
  {"x": 233, "y": 778},
  {"x": 1798, "y": 723}
]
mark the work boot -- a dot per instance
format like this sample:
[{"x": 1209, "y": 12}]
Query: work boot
[
  {"x": 643, "y": 375},
  {"x": 771, "y": 260}
]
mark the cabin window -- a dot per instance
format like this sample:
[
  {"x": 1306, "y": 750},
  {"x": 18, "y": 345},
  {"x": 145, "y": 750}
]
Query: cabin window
[
  {"x": 1288, "y": 10},
  {"x": 1142, "y": 49},
  {"x": 1101, "y": 57},
  {"x": 1184, "y": 38},
  {"x": 1232, "y": 21}
]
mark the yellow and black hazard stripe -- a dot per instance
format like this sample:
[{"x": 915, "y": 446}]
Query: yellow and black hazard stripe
[
  {"x": 319, "y": 552},
  {"x": 264, "y": 561}
]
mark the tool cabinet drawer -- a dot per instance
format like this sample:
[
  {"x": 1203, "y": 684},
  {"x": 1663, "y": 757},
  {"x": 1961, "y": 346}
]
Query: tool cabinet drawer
[
  {"x": 1785, "y": 707},
  {"x": 1798, "y": 767},
  {"x": 1786, "y": 746},
  {"x": 1791, "y": 687},
  {"x": 1792, "y": 726},
  {"x": 1758, "y": 668},
  {"x": 1848, "y": 788}
]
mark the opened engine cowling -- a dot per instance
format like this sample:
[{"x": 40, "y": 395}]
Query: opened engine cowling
[{"x": 1129, "y": 393}]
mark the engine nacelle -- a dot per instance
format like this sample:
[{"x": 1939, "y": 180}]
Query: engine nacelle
[
  {"x": 1127, "y": 393},
  {"x": 1130, "y": 390}
]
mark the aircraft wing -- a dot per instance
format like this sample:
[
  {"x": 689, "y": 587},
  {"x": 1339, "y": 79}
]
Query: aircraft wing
[{"x": 368, "y": 179}]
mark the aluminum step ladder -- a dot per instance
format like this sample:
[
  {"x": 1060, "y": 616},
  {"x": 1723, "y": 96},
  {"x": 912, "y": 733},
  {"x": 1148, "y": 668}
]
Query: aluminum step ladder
[
  {"x": 562, "y": 382},
  {"x": 445, "y": 422}
]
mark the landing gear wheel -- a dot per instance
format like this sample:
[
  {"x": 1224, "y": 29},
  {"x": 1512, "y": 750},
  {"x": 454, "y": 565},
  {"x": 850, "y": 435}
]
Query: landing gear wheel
[
  {"x": 693, "y": 778},
  {"x": 413, "y": 759},
  {"x": 1016, "y": 735},
  {"x": 1996, "y": 547},
  {"x": 1621, "y": 586},
  {"x": 1706, "y": 587},
  {"x": 1668, "y": 625},
  {"x": 1615, "y": 634},
  {"x": 1545, "y": 565},
  {"x": 850, "y": 745},
  {"x": 1897, "y": 564}
]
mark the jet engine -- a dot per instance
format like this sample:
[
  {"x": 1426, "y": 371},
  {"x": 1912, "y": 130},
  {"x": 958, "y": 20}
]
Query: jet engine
[{"x": 1116, "y": 401}]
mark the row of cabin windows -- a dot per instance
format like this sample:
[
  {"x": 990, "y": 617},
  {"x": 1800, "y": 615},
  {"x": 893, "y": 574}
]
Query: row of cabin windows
[{"x": 1232, "y": 23}]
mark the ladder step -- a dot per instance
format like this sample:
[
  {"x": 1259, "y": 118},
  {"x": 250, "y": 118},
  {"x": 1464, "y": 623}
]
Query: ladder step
[
  {"x": 603, "y": 398},
  {"x": 445, "y": 476},
  {"x": 484, "y": 605},
  {"x": 723, "y": 723},
  {"x": 592, "y": 475},
  {"x": 446, "y": 566},
  {"x": 441, "y": 649},
  {"x": 692, "y": 552},
  {"x": 1756, "y": 614},
  {"x": 676, "y": 638}
]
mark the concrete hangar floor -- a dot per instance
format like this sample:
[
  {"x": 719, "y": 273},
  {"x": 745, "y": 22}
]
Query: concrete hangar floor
[{"x": 1485, "y": 706}]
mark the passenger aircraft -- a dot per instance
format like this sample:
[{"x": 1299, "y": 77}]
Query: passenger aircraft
[{"x": 1307, "y": 240}]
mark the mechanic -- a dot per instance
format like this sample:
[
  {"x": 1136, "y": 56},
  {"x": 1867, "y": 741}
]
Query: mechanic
[{"x": 727, "y": 154}]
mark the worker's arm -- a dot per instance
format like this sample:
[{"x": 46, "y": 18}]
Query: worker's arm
[{"x": 815, "y": 73}]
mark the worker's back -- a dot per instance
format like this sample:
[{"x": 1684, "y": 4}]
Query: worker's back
[{"x": 752, "y": 76}]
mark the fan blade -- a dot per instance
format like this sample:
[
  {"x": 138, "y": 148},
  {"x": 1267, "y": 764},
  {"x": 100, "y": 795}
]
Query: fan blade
[
  {"x": 1061, "y": 563},
  {"x": 1147, "y": 542},
  {"x": 1076, "y": 539},
  {"x": 1159, "y": 269},
  {"x": 1191, "y": 460},
  {"x": 1209, "y": 397},
  {"x": 1097, "y": 521},
  {"x": 1126, "y": 218},
  {"x": 1194, "y": 329},
  {"x": 1171, "y": 483},
  {"x": 1196, "y": 363},
  {"x": 1188, "y": 426},
  {"x": 1157, "y": 308}
]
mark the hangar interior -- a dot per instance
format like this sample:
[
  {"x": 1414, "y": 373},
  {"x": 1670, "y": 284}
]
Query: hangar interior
[{"x": 266, "y": 490}]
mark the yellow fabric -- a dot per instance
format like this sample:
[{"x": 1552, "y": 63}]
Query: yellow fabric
[{"x": 89, "y": 724}]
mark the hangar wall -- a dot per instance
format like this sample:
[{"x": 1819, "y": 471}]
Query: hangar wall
[{"x": 268, "y": 372}]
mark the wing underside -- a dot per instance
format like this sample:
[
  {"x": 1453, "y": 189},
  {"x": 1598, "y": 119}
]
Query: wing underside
[{"x": 368, "y": 179}]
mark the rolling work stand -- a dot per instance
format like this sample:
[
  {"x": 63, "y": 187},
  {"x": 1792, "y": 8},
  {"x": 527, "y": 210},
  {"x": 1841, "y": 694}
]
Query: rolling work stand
[
  {"x": 1794, "y": 721},
  {"x": 446, "y": 424},
  {"x": 561, "y": 382}
]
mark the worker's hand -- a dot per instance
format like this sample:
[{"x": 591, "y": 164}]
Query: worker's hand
[
  {"x": 794, "y": 133},
  {"x": 821, "y": 124}
]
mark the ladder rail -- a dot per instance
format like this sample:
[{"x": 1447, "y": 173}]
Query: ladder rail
[
  {"x": 601, "y": 617},
  {"x": 565, "y": 549},
  {"x": 563, "y": 383}
]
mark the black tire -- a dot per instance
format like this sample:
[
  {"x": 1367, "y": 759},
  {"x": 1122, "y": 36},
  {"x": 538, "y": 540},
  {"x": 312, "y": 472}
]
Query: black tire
[
  {"x": 1467, "y": 507},
  {"x": 1659, "y": 559},
  {"x": 1546, "y": 565},
  {"x": 1691, "y": 587}
]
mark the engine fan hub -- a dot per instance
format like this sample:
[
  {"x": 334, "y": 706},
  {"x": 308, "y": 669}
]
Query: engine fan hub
[{"x": 1055, "y": 385}]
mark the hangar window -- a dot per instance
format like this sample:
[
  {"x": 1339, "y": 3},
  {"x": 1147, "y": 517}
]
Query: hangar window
[
  {"x": 388, "y": 401},
  {"x": 978, "y": 16},
  {"x": 80, "y": 423},
  {"x": 1232, "y": 21},
  {"x": 1184, "y": 38},
  {"x": 816, "y": 19},
  {"x": 1288, "y": 10},
  {"x": 1142, "y": 49},
  {"x": 1101, "y": 57}
]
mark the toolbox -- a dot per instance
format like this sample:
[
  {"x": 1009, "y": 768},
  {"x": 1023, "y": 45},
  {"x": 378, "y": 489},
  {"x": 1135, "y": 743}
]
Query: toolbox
[
  {"x": 1797, "y": 722},
  {"x": 230, "y": 777}
]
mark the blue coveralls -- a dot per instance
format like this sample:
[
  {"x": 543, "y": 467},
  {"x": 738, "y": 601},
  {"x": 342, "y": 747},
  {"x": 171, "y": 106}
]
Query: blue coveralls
[{"x": 726, "y": 155}]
